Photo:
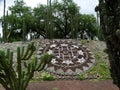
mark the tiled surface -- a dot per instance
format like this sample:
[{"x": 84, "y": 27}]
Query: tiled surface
[{"x": 70, "y": 57}]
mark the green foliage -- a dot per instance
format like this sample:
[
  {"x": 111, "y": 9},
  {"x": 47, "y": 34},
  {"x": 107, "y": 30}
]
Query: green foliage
[
  {"x": 55, "y": 20},
  {"x": 20, "y": 18},
  {"x": 1, "y": 39},
  {"x": 97, "y": 56},
  {"x": 81, "y": 77},
  {"x": 65, "y": 16},
  {"x": 101, "y": 71},
  {"x": 84, "y": 42},
  {"x": 16, "y": 76},
  {"x": 55, "y": 89},
  {"x": 89, "y": 25},
  {"x": 47, "y": 77},
  {"x": 40, "y": 23},
  {"x": 43, "y": 76}
]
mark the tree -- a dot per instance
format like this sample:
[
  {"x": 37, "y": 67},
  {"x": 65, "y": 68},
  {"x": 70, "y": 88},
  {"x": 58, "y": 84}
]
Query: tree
[
  {"x": 88, "y": 26},
  {"x": 65, "y": 13},
  {"x": 54, "y": 20},
  {"x": 110, "y": 24},
  {"x": 40, "y": 15},
  {"x": 19, "y": 14}
]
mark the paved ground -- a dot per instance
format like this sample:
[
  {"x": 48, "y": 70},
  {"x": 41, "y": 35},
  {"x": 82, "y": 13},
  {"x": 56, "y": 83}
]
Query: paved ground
[{"x": 73, "y": 85}]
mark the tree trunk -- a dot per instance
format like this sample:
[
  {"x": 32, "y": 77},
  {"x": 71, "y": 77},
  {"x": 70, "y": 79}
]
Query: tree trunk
[{"x": 110, "y": 23}]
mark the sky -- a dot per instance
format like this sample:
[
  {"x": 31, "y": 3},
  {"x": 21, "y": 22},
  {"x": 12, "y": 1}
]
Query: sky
[{"x": 86, "y": 6}]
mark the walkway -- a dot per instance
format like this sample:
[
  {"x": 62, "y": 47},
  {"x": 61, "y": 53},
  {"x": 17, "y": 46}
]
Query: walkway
[{"x": 73, "y": 85}]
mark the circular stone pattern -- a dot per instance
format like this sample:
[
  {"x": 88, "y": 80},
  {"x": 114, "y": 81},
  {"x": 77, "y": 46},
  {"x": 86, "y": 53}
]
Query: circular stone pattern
[{"x": 70, "y": 58}]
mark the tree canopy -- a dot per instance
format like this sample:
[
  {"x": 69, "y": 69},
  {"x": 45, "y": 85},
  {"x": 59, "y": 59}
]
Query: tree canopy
[{"x": 54, "y": 20}]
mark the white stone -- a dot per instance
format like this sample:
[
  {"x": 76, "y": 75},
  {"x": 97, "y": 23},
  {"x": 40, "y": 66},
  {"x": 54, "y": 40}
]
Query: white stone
[
  {"x": 92, "y": 56},
  {"x": 53, "y": 61},
  {"x": 59, "y": 71},
  {"x": 53, "y": 45},
  {"x": 74, "y": 57},
  {"x": 50, "y": 52},
  {"x": 75, "y": 46},
  {"x": 68, "y": 62},
  {"x": 40, "y": 48},
  {"x": 82, "y": 60},
  {"x": 79, "y": 44},
  {"x": 78, "y": 71},
  {"x": 69, "y": 72},
  {"x": 39, "y": 52},
  {"x": 83, "y": 46},
  {"x": 88, "y": 49},
  {"x": 58, "y": 56},
  {"x": 38, "y": 56},
  {"x": 51, "y": 69},
  {"x": 92, "y": 60},
  {"x": 85, "y": 68},
  {"x": 80, "y": 52},
  {"x": 90, "y": 64},
  {"x": 90, "y": 52},
  {"x": 64, "y": 44}
]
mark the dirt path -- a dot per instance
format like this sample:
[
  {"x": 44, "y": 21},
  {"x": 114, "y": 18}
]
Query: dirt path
[{"x": 73, "y": 85}]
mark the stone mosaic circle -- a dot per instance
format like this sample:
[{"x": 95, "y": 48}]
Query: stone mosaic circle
[{"x": 70, "y": 58}]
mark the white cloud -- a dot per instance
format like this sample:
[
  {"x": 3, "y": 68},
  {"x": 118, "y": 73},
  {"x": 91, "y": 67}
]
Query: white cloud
[
  {"x": 8, "y": 3},
  {"x": 28, "y": 3},
  {"x": 35, "y": 2},
  {"x": 11, "y": 2},
  {"x": 87, "y": 6}
]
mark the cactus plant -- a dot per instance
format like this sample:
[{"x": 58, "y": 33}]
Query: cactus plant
[
  {"x": 109, "y": 11},
  {"x": 24, "y": 30},
  {"x": 4, "y": 23},
  {"x": 16, "y": 76}
]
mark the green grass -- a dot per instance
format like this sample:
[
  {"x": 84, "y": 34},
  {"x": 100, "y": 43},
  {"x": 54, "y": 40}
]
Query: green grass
[
  {"x": 85, "y": 41},
  {"x": 99, "y": 71},
  {"x": 43, "y": 76},
  {"x": 55, "y": 88}
]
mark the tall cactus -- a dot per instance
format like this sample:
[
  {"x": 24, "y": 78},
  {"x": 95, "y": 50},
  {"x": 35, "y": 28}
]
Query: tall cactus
[
  {"x": 16, "y": 76},
  {"x": 24, "y": 30},
  {"x": 110, "y": 24},
  {"x": 4, "y": 22}
]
